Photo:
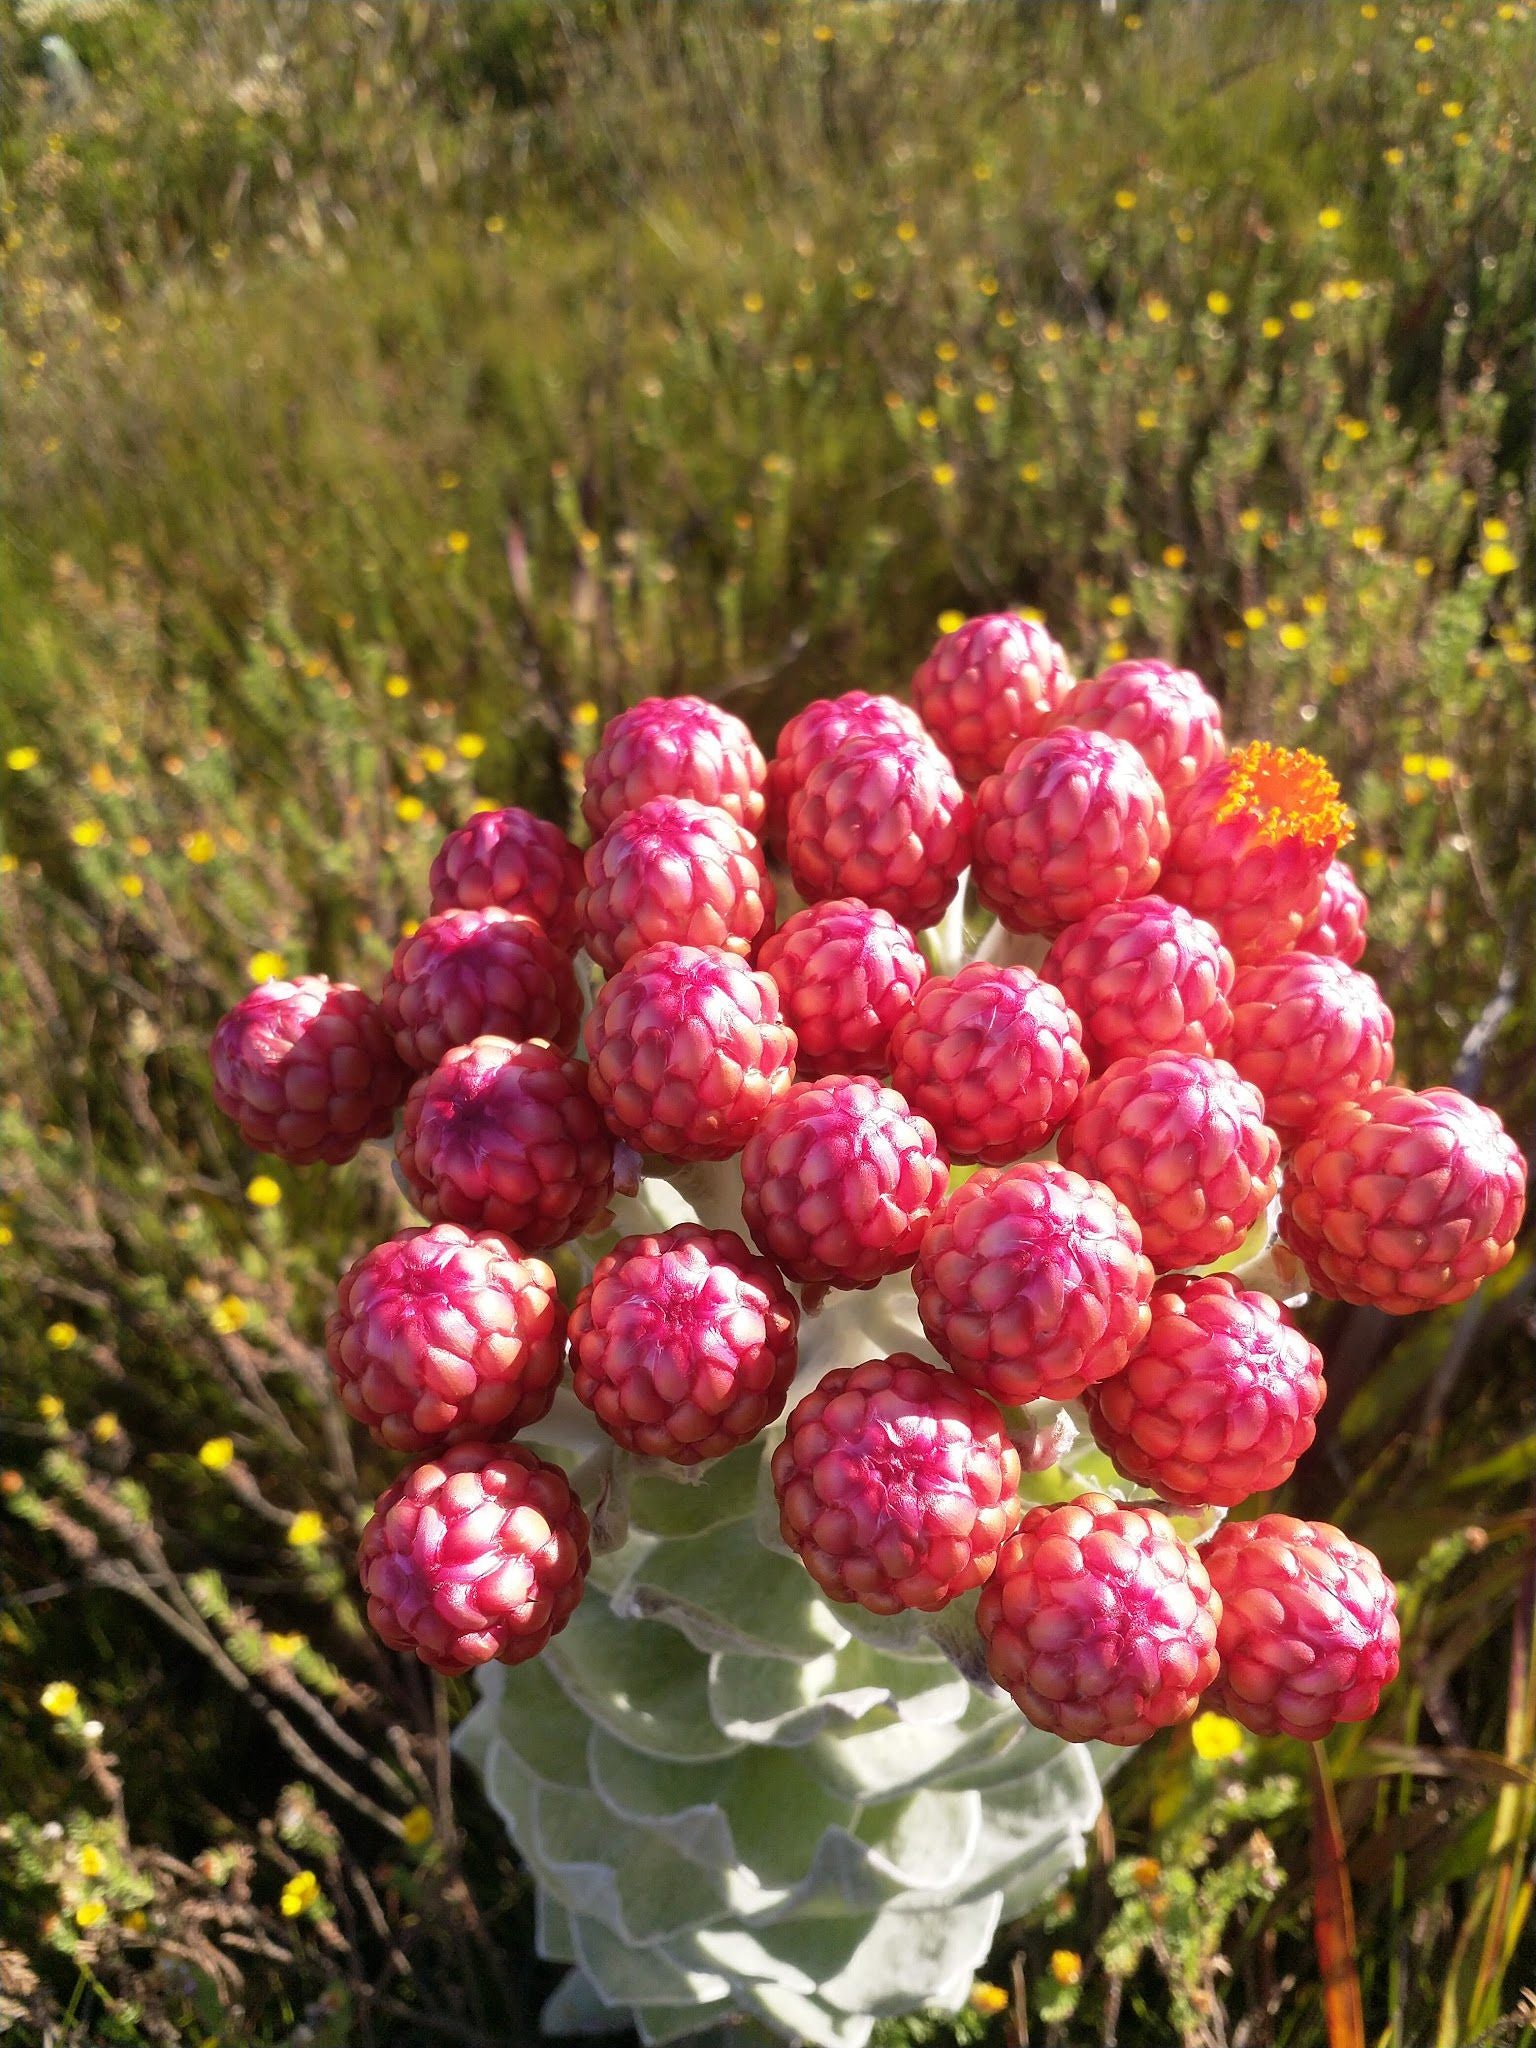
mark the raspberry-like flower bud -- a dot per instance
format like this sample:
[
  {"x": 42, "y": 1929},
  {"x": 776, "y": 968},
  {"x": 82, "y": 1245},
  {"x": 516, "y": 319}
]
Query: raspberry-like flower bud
[
  {"x": 841, "y": 1181},
  {"x": 1183, "y": 1142},
  {"x": 476, "y": 1556},
  {"x": 1308, "y": 1634},
  {"x": 674, "y": 746},
  {"x": 815, "y": 734},
  {"x": 673, "y": 869},
  {"x": 885, "y": 820},
  {"x": 688, "y": 1050},
  {"x": 1031, "y": 1282},
  {"x": 1166, "y": 713},
  {"x": 513, "y": 861},
  {"x": 444, "y": 1336},
  {"x": 1144, "y": 977},
  {"x": 1099, "y": 1622},
  {"x": 993, "y": 1058},
  {"x": 846, "y": 976},
  {"x": 505, "y": 1136},
  {"x": 1251, "y": 843},
  {"x": 1217, "y": 1400},
  {"x": 684, "y": 1345},
  {"x": 992, "y": 682},
  {"x": 1404, "y": 1201},
  {"x": 1074, "y": 820},
  {"x": 1337, "y": 926},
  {"x": 478, "y": 974},
  {"x": 1308, "y": 1032},
  {"x": 897, "y": 1486},
  {"x": 307, "y": 1070}
]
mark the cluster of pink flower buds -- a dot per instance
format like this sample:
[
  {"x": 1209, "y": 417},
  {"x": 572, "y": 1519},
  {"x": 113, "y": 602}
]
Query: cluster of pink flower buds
[{"x": 1197, "y": 1054}]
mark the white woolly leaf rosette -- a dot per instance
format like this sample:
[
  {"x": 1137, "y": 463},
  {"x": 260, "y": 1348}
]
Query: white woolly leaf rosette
[{"x": 741, "y": 1801}]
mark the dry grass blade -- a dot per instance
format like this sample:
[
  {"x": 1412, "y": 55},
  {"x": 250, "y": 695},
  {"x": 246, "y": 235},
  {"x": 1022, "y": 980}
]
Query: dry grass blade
[{"x": 1333, "y": 1913}]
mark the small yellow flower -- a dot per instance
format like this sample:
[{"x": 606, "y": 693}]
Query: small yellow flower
[
  {"x": 585, "y": 713},
  {"x": 1219, "y": 303},
  {"x": 266, "y": 965},
  {"x": 1173, "y": 558},
  {"x": 1367, "y": 539},
  {"x": 1423, "y": 565},
  {"x": 1116, "y": 650},
  {"x": 412, "y": 925},
  {"x": 49, "y": 1407},
  {"x": 230, "y": 1315},
  {"x": 1352, "y": 288},
  {"x": 1120, "y": 606},
  {"x": 1451, "y": 109},
  {"x": 494, "y": 224},
  {"x": 1147, "y": 1872},
  {"x": 89, "y": 832},
  {"x": 1439, "y": 769},
  {"x": 1157, "y": 310},
  {"x": 1029, "y": 472},
  {"x": 306, "y": 1529},
  {"x": 906, "y": 230},
  {"x": 1415, "y": 764},
  {"x": 409, "y": 808},
  {"x": 1392, "y": 156},
  {"x": 417, "y": 1827},
  {"x": 105, "y": 1427},
  {"x": 263, "y": 1192},
  {"x": 1146, "y": 419},
  {"x": 1215, "y": 1737},
  {"x": 927, "y": 418},
  {"x": 136, "y": 1922},
  {"x": 981, "y": 173},
  {"x": 985, "y": 403},
  {"x": 1125, "y": 200},
  {"x": 943, "y": 474},
  {"x": 1314, "y": 604},
  {"x": 1354, "y": 430},
  {"x": 434, "y": 760},
  {"x": 988, "y": 1999},
  {"x": 1302, "y": 309},
  {"x": 1234, "y": 637},
  {"x": 987, "y": 286},
  {"x": 140, "y": 847},
  {"x": 396, "y": 686},
  {"x": 1050, "y": 331},
  {"x": 1423, "y": 44},
  {"x": 299, "y": 1894},
  {"x": 469, "y": 746},
  {"x": 1066, "y": 1966},
  {"x": 458, "y": 541},
  {"x": 217, "y": 1454},
  {"x": 951, "y": 621},
  {"x": 62, "y": 1335},
  {"x": 1495, "y": 529},
  {"x": 1250, "y": 519},
  {"x": 1498, "y": 560},
  {"x": 1293, "y": 637},
  {"x": 92, "y": 1863},
  {"x": 1272, "y": 329},
  {"x": 1330, "y": 218},
  {"x": 90, "y": 1913},
  {"x": 59, "y": 1698},
  {"x": 286, "y": 1646},
  {"x": 20, "y": 759},
  {"x": 199, "y": 847},
  {"x": 1253, "y": 617},
  {"x": 947, "y": 352}
]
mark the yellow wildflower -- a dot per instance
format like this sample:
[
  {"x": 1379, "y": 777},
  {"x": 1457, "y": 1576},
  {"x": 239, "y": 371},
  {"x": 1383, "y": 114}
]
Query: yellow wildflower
[
  {"x": 230, "y": 1315},
  {"x": 263, "y": 1192},
  {"x": 49, "y": 1407},
  {"x": 469, "y": 746},
  {"x": 1302, "y": 309},
  {"x": 409, "y": 808},
  {"x": 906, "y": 230},
  {"x": 306, "y": 1529},
  {"x": 217, "y": 1453},
  {"x": 988, "y": 1999},
  {"x": 1066, "y": 1966},
  {"x": 951, "y": 621},
  {"x": 396, "y": 686},
  {"x": 299, "y": 1894},
  {"x": 1330, "y": 218},
  {"x": 1272, "y": 328},
  {"x": 1253, "y": 617},
  {"x": 1125, "y": 200},
  {"x": 62, "y": 1335},
  {"x": 417, "y": 1827},
  {"x": 20, "y": 759},
  {"x": 105, "y": 1427},
  {"x": 1293, "y": 637},
  {"x": 434, "y": 760},
  {"x": 285, "y": 1646},
  {"x": 266, "y": 965},
  {"x": 90, "y": 1913},
  {"x": 1215, "y": 1737},
  {"x": 59, "y": 1698},
  {"x": 1029, "y": 472},
  {"x": 1157, "y": 310},
  {"x": 1173, "y": 558},
  {"x": 1392, "y": 156},
  {"x": 1498, "y": 560},
  {"x": 943, "y": 474},
  {"x": 199, "y": 847},
  {"x": 1218, "y": 302},
  {"x": 91, "y": 1861},
  {"x": 89, "y": 832},
  {"x": 458, "y": 541},
  {"x": 1439, "y": 769}
]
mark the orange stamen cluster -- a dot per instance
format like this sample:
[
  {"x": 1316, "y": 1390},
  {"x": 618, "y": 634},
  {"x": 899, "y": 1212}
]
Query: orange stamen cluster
[{"x": 1286, "y": 793}]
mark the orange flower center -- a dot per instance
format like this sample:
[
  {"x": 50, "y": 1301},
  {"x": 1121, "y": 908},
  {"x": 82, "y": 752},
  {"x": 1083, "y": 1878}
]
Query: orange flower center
[{"x": 1286, "y": 793}]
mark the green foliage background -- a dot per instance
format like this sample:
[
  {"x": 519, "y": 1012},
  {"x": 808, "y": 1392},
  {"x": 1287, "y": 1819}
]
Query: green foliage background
[{"x": 392, "y": 390}]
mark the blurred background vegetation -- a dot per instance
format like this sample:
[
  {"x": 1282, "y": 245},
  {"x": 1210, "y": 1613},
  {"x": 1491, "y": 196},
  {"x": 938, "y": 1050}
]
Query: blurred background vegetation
[{"x": 395, "y": 389}]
